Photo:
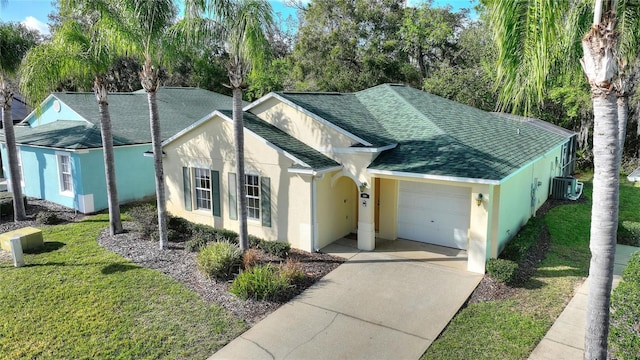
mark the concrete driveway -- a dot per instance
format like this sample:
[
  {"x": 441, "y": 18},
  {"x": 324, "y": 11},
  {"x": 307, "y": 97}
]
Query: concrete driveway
[{"x": 387, "y": 304}]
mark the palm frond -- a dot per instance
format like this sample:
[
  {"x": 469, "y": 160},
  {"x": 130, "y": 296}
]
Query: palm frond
[{"x": 527, "y": 35}]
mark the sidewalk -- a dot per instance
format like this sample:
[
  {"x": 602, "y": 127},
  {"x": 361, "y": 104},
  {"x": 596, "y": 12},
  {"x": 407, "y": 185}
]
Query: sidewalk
[{"x": 565, "y": 339}]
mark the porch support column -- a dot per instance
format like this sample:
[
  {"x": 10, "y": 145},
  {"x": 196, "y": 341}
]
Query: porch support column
[{"x": 366, "y": 211}]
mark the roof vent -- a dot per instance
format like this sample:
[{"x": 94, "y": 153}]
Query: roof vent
[{"x": 518, "y": 131}]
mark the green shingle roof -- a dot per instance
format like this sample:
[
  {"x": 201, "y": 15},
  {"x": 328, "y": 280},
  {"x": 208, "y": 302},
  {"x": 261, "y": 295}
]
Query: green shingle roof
[
  {"x": 178, "y": 108},
  {"x": 303, "y": 152},
  {"x": 63, "y": 134},
  {"x": 435, "y": 136},
  {"x": 344, "y": 111}
]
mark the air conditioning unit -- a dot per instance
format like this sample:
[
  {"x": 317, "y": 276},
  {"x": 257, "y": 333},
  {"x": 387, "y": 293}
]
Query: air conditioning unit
[{"x": 566, "y": 187}]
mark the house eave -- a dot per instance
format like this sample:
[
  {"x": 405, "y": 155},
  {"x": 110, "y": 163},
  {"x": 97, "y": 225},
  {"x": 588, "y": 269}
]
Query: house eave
[
  {"x": 433, "y": 177},
  {"x": 314, "y": 172}
]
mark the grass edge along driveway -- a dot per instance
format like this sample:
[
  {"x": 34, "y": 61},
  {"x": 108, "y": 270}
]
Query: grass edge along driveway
[
  {"x": 76, "y": 300},
  {"x": 511, "y": 328}
]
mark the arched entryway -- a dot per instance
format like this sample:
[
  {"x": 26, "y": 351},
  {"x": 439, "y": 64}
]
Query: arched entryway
[{"x": 337, "y": 209}]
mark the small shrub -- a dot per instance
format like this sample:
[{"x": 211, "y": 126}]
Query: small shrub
[
  {"x": 228, "y": 235},
  {"x": 631, "y": 273},
  {"x": 219, "y": 260},
  {"x": 262, "y": 282},
  {"x": 145, "y": 217},
  {"x": 502, "y": 270},
  {"x": 175, "y": 236},
  {"x": 250, "y": 258},
  {"x": 277, "y": 248},
  {"x": 198, "y": 241},
  {"x": 624, "y": 334},
  {"x": 629, "y": 233},
  {"x": 179, "y": 225},
  {"x": 292, "y": 270},
  {"x": 254, "y": 241},
  {"x": 47, "y": 218}
]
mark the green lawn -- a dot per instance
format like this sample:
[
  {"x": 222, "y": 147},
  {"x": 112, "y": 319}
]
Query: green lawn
[
  {"x": 510, "y": 329},
  {"x": 76, "y": 300}
]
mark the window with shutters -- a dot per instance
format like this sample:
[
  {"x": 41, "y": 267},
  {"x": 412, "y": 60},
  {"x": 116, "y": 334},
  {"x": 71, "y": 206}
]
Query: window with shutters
[
  {"x": 252, "y": 185},
  {"x": 202, "y": 188}
]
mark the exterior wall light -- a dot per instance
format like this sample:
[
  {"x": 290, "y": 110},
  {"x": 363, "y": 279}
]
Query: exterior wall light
[
  {"x": 363, "y": 187},
  {"x": 479, "y": 199}
]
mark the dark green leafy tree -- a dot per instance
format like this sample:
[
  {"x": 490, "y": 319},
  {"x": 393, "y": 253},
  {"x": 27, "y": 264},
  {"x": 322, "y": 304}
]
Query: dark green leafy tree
[
  {"x": 349, "y": 45},
  {"x": 430, "y": 35}
]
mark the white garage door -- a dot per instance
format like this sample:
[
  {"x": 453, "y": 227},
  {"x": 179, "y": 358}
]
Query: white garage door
[{"x": 435, "y": 214}]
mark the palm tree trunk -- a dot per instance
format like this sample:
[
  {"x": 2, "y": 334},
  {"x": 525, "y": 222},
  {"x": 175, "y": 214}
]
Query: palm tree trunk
[
  {"x": 115, "y": 225},
  {"x": 604, "y": 224},
  {"x": 599, "y": 65},
  {"x": 623, "y": 115},
  {"x": 149, "y": 81},
  {"x": 156, "y": 144},
  {"x": 6, "y": 98},
  {"x": 238, "y": 133}
]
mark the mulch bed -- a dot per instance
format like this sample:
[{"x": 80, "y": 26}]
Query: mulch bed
[{"x": 181, "y": 265}]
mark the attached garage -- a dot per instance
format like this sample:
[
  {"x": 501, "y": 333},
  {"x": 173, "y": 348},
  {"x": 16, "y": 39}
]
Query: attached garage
[{"x": 435, "y": 214}]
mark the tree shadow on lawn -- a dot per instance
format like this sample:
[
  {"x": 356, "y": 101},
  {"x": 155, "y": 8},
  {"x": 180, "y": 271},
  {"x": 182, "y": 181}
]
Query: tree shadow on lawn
[
  {"x": 47, "y": 246},
  {"x": 118, "y": 268}
]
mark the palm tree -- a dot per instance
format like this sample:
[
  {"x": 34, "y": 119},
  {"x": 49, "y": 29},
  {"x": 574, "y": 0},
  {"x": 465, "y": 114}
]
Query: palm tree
[
  {"x": 77, "y": 52},
  {"x": 141, "y": 26},
  {"x": 243, "y": 25},
  {"x": 14, "y": 43},
  {"x": 528, "y": 34},
  {"x": 153, "y": 17}
]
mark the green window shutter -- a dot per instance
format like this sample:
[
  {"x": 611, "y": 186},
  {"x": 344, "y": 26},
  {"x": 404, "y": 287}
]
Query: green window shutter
[
  {"x": 265, "y": 201},
  {"x": 186, "y": 178},
  {"x": 233, "y": 197},
  {"x": 215, "y": 193}
]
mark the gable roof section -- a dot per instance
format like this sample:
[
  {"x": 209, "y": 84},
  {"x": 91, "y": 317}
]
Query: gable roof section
[
  {"x": 436, "y": 137},
  {"x": 178, "y": 109},
  {"x": 306, "y": 156},
  {"x": 345, "y": 112},
  {"x": 470, "y": 143}
]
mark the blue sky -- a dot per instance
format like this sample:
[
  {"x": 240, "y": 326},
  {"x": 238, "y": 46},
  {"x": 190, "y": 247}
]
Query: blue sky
[{"x": 34, "y": 13}]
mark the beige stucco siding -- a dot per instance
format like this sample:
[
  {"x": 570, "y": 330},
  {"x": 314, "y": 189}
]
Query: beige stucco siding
[
  {"x": 523, "y": 193},
  {"x": 210, "y": 146},
  {"x": 301, "y": 126}
]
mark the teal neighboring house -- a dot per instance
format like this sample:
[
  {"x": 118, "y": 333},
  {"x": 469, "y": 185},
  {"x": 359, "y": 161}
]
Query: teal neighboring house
[{"x": 60, "y": 148}]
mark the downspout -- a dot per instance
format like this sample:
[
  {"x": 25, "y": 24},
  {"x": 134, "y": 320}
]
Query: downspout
[{"x": 314, "y": 215}]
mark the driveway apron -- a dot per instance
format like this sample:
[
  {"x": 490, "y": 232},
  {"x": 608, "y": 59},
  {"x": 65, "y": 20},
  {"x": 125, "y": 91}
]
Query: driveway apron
[{"x": 377, "y": 305}]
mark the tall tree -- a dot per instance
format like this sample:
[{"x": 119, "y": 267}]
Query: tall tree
[
  {"x": 429, "y": 34},
  {"x": 243, "y": 25},
  {"x": 75, "y": 52},
  {"x": 349, "y": 45},
  {"x": 528, "y": 37},
  {"x": 140, "y": 26},
  {"x": 15, "y": 41}
]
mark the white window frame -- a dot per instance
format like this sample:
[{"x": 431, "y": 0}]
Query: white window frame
[
  {"x": 200, "y": 202},
  {"x": 253, "y": 196},
  {"x": 62, "y": 173},
  {"x": 19, "y": 155}
]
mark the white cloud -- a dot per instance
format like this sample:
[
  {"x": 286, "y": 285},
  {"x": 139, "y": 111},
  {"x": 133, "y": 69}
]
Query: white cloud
[{"x": 32, "y": 23}]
